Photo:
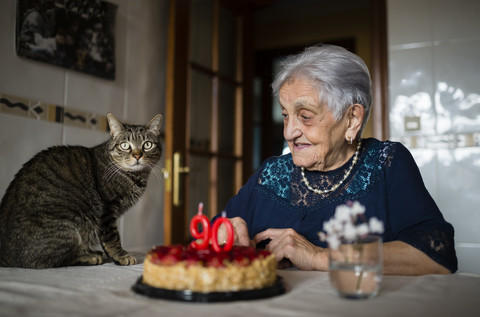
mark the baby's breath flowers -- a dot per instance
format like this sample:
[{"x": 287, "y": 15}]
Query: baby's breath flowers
[
  {"x": 354, "y": 250},
  {"x": 349, "y": 223}
]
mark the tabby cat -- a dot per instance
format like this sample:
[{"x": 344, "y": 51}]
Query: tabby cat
[{"x": 66, "y": 199}]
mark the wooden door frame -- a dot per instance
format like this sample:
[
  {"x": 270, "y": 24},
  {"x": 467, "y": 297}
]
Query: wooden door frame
[
  {"x": 177, "y": 98},
  {"x": 176, "y": 103},
  {"x": 379, "y": 53}
]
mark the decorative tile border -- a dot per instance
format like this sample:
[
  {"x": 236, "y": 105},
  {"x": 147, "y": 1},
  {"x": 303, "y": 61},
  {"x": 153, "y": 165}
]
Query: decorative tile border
[
  {"x": 446, "y": 141},
  {"x": 39, "y": 110}
]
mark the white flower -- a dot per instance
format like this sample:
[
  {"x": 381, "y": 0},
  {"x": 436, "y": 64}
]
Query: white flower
[
  {"x": 362, "y": 229},
  {"x": 342, "y": 213},
  {"x": 333, "y": 242},
  {"x": 345, "y": 225},
  {"x": 357, "y": 209},
  {"x": 349, "y": 232},
  {"x": 328, "y": 226},
  {"x": 376, "y": 226}
]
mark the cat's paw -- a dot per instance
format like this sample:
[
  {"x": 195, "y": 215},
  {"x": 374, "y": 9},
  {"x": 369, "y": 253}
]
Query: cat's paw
[
  {"x": 126, "y": 259},
  {"x": 90, "y": 259}
]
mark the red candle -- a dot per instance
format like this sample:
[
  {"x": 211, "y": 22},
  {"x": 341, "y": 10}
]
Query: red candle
[
  {"x": 204, "y": 235},
  {"x": 229, "y": 241}
]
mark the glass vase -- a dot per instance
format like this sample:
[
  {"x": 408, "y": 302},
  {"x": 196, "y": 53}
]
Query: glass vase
[{"x": 356, "y": 267}]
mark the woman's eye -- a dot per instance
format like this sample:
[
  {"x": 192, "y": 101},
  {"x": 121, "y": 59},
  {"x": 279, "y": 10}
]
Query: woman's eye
[
  {"x": 147, "y": 145},
  {"x": 124, "y": 146},
  {"x": 306, "y": 116}
]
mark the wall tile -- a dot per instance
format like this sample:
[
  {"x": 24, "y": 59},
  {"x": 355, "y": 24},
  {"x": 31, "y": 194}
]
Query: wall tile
[
  {"x": 28, "y": 138},
  {"x": 409, "y": 22},
  {"x": 411, "y": 91},
  {"x": 146, "y": 97},
  {"x": 467, "y": 255},
  {"x": 79, "y": 136},
  {"x": 103, "y": 95},
  {"x": 14, "y": 105},
  {"x": 457, "y": 95},
  {"x": 458, "y": 177},
  {"x": 443, "y": 49},
  {"x": 455, "y": 20}
]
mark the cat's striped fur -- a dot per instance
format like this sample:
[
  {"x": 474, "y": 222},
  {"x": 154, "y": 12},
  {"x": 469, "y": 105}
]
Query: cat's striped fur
[{"x": 66, "y": 200}]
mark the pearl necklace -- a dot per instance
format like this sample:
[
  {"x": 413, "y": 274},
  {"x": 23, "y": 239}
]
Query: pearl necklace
[{"x": 334, "y": 187}]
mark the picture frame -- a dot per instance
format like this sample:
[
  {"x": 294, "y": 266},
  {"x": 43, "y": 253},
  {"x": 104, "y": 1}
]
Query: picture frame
[{"x": 74, "y": 34}]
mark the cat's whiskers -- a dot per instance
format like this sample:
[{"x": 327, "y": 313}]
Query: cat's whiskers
[
  {"x": 111, "y": 170},
  {"x": 157, "y": 171}
]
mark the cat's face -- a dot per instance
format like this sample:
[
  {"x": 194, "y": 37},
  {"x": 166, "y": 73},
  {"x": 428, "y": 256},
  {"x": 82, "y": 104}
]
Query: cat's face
[{"x": 135, "y": 148}]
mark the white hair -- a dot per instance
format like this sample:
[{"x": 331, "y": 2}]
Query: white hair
[{"x": 342, "y": 77}]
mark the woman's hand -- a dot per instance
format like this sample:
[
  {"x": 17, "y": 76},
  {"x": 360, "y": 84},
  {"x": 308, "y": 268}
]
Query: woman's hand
[
  {"x": 288, "y": 244},
  {"x": 240, "y": 233}
]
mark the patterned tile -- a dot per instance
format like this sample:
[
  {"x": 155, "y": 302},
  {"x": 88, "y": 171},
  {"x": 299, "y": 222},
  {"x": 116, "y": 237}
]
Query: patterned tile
[
  {"x": 76, "y": 118},
  {"x": 40, "y": 110},
  {"x": 96, "y": 122},
  {"x": 14, "y": 105}
]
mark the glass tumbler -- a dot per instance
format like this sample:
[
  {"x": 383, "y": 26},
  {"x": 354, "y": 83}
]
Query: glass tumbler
[{"x": 356, "y": 267}]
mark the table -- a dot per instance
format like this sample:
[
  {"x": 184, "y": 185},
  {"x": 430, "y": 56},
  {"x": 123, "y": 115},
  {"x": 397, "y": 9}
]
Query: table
[{"x": 105, "y": 290}]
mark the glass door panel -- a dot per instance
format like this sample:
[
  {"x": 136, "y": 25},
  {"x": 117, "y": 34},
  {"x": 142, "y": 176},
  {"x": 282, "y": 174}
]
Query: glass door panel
[
  {"x": 199, "y": 184},
  {"x": 200, "y": 111},
  {"x": 227, "y": 43},
  {"x": 226, "y": 122},
  {"x": 201, "y": 31},
  {"x": 226, "y": 180}
]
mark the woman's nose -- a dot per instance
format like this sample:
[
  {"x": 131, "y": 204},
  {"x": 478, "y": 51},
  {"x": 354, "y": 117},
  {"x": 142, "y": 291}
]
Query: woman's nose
[{"x": 291, "y": 129}]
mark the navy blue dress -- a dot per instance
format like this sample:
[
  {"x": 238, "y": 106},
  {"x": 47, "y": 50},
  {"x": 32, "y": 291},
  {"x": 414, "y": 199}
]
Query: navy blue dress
[{"x": 386, "y": 180}]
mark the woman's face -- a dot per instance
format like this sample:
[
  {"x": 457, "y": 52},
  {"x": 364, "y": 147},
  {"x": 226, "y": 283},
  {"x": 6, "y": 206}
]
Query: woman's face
[{"x": 315, "y": 139}]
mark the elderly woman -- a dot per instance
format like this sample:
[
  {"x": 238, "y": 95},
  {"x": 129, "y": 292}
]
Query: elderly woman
[{"x": 325, "y": 97}]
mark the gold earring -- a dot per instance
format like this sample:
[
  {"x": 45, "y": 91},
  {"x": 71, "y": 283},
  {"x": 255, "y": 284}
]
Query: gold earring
[{"x": 350, "y": 140}]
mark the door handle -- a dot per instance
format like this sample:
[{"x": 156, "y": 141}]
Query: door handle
[{"x": 177, "y": 170}]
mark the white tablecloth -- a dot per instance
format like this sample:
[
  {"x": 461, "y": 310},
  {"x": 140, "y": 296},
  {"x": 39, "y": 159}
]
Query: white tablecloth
[{"x": 105, "y": 290}]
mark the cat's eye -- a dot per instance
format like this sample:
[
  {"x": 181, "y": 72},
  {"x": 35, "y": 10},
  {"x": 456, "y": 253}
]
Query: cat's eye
[
  {"x": 125, "y": 146},
  {"x": 147, "y": 145}
]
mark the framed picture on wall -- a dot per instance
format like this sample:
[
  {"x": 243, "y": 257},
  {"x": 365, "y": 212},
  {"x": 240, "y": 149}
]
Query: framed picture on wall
[{"x": 75, "y": 34}]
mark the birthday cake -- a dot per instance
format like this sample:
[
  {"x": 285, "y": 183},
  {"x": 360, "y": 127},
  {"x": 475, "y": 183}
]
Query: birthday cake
[{"x": 206, "y": 270}]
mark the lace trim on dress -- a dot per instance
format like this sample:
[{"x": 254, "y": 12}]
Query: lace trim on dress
[
  {"x": 435, "y": 240},
  {"x": 281, "y": 179}
]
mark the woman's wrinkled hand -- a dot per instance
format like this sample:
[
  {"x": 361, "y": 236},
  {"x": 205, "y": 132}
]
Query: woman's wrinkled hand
[
  {"x": 287, "y": 244},
  {"x": 240, "y": 233}
]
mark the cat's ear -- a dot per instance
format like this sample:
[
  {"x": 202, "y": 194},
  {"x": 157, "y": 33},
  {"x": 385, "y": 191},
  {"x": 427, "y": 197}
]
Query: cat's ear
[
  {"x": 155, "y": 124},
  {"x": 115, "y": 125}
]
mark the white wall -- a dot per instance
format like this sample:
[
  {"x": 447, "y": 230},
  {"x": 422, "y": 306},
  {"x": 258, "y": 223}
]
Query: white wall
[
  {"x": 434, "y": 67},
  {"x": 136, "y": 95}
]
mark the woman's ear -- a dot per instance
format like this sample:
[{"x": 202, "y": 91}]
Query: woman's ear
[{"x": 355, "y": 115}]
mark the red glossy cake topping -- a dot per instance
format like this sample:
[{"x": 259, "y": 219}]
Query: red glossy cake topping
[{"x": 170, "y": 255}]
